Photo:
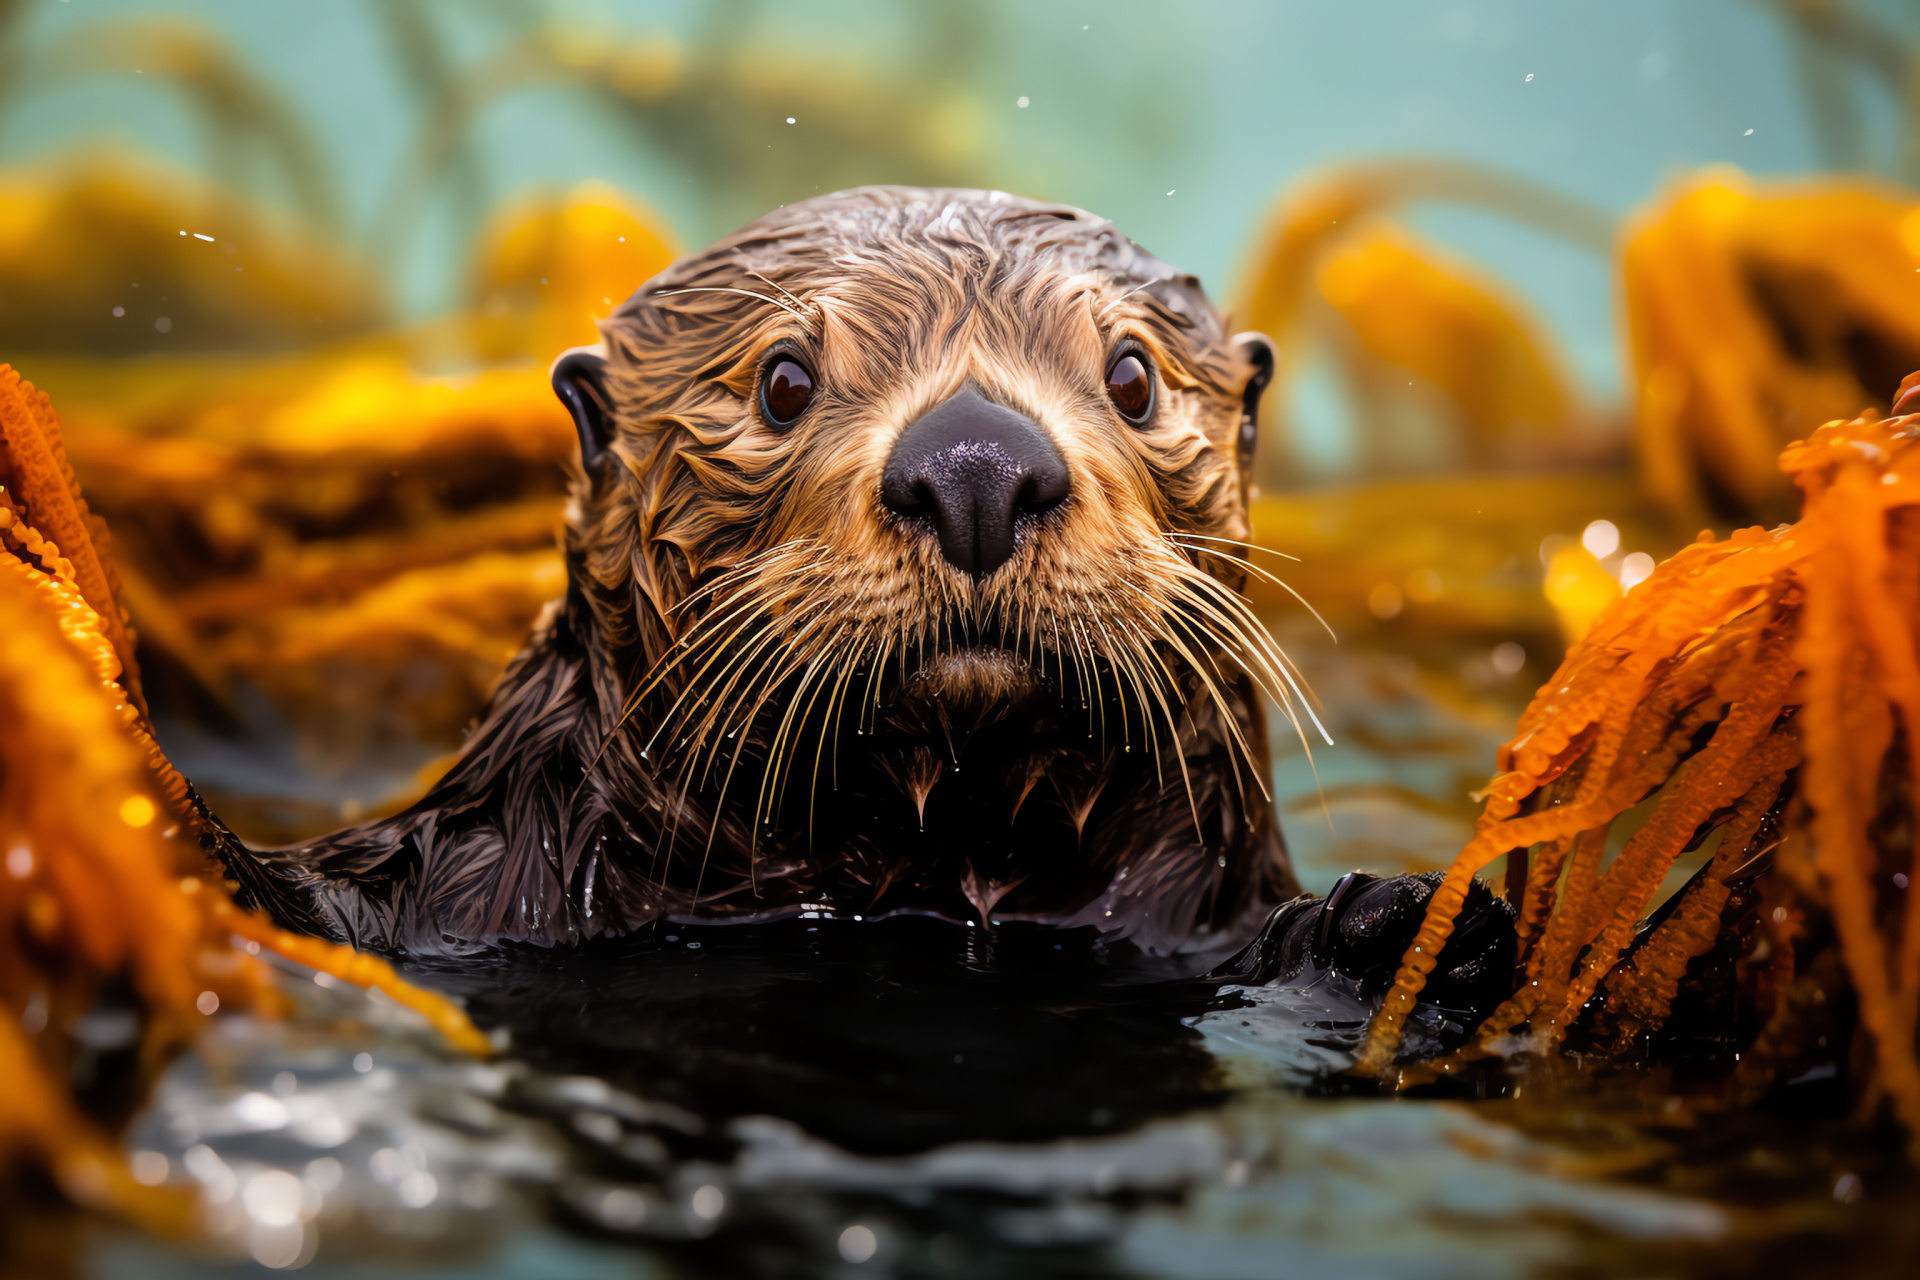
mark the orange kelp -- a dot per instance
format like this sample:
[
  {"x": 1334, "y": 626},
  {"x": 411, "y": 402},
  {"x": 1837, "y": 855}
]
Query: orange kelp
[
  {"x": 98, "y": 884},
  {"x": 1329, "y": 269},
  {"x": 548, "y": 266},
  {"x": 1754, "y": 313},
  {"x": 364, "y": 539},
  {"x": 1711, "y": 683}
]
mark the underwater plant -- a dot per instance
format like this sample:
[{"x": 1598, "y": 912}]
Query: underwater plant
[
  {"x": 1754, "y": 313},
  {"x": 103, "y": 909},
  {"x": 1332, "y": 272},
  {"x": 1766, "y": 687},
  {"x": 358, "y": 537}
]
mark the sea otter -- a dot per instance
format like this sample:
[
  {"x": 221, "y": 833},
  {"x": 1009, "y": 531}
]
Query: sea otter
[{"x": 904, "y": 564}]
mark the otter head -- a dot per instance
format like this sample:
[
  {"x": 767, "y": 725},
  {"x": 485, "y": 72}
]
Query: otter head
[{"x": 911, "y": 531}]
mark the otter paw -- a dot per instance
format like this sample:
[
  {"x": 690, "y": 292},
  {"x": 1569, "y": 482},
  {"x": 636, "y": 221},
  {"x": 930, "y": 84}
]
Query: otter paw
[{"x": 1355, "y": 937}]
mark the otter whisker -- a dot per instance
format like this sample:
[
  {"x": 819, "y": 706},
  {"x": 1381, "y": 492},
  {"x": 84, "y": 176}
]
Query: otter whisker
[
  {"x": 754, "y": 565},
  {"x": 1265, "y": 576},
  {"x": 737, "y": 659},
  {"x": 776, "y": 284},
  {"x": 1245, "y": 630},
  {"x": 1166, "y": 711},
  {"x": 1084, "y": 634},
  {"x": 703, "y": 740},
  {"x": 1123, "y": 297},
  {"x": 1239, "y": 749},
  {"x": 755, "y": 604},
  {"x": 868, "y": 720},
  {"x": 1193, "y": 656},
  {"x": 1138, "y": 650},
  {"x": 762, "y": 809},
  {"x": 766, "y": 687},
  {"x": 1231, "y": 542},
  {"x": 690, "y": 643},
  {"x": 1115, "y": 657},
  {"x": 835, "y": 666},
  {"x": 831, "y": 717},
  {"x": 1241, "y": 620},
  {"x": 717, "y": 648},
  {"x": 1180, "y": 541},
  {"x": 1090, "y": 667},
  {"x": 745, "y": 293},
  {"x": 1228, "y": 634},
  {"x": 628, "y": 710},
  {"x": 837, "y": 709},
  {"x": 741, "y": 674},
  {"x": 1239, "y": 633},
  {"x": 801, "y": 653},
  {"x": 755, "y": 678},
  {"x": 726, "y": 783}
]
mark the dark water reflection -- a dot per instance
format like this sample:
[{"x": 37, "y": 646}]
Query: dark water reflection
[
  {"x": 905, "y": 1097},
  {"x": 882, "y": 1037}
]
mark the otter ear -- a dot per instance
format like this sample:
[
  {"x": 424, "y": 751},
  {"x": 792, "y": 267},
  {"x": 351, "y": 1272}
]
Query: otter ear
[
  {"x": 1257, "y": 350},
  {"x": 579, "y": 379}
]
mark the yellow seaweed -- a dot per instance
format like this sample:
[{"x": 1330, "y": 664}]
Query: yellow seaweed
[
  {"x": 548, "y": 266},
  {"x": 1753, "y": 314},
  {"x": 105, "y": 230},
  {"x": 1330, "y": 269},
  {"x": 362, "y": 537},
  {"x": 1440, "y": 320},
  {"x": 100, "y": 866}
]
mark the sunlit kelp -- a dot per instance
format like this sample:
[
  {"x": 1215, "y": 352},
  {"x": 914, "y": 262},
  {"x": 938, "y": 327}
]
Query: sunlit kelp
[
  {"x": 1710, "y": 683},
  {"x": 1330, "y": 270},
  {"x": 1754, "y": 313},
  {"x": 99, "y": 892},
  {"x": 108, "y": 254},
  {"x": 1456, "y": 557},
  {"x": 358, "y": 537},
  {"x": 550, "y": 265}
]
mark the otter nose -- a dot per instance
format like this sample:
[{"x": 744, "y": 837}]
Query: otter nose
[{"x": 969, "y": 469}]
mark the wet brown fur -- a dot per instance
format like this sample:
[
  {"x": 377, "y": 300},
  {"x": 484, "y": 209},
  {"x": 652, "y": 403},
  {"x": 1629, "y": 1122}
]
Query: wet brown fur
[{"x": 765, "y": 693}]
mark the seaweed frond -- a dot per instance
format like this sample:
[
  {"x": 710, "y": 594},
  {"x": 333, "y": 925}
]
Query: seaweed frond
[
  {"x": 1770, "y": 664},
  {"x": 98, "y": 887}
]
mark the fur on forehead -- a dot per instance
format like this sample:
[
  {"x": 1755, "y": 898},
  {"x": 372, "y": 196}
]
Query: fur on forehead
[
  {"x": 874, "y": 286},
  {"x": 900, "y": 269}
]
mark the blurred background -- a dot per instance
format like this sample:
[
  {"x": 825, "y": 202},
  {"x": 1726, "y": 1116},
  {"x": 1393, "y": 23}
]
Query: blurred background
[{"x": 1553, "y": 285}]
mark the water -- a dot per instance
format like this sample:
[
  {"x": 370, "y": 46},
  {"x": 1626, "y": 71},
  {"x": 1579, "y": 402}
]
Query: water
[
  {"x": 975, "y": 1103},
  {"x": 1020, "y": 1104},
  {"x": 734, "y": 1101}
]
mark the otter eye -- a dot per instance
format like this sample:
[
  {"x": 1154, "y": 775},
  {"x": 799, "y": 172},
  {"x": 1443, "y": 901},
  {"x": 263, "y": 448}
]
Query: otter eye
[
  {"x": 1130, "y": 387},
  {"x": 785, "y": 391}
]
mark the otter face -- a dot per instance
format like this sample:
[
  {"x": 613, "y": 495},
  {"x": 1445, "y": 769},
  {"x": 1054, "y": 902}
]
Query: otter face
[{"x": 901, "y": 503}]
